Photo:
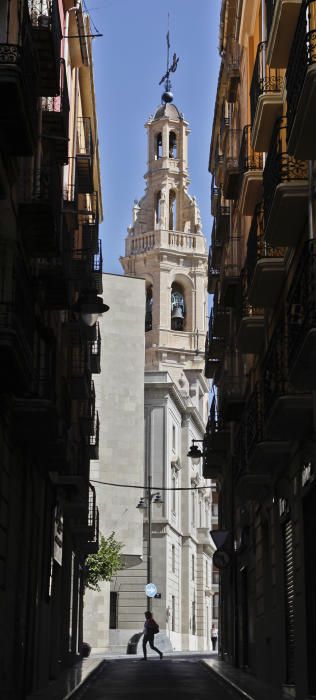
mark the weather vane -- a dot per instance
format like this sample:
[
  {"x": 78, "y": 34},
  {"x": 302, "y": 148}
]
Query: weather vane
[{"x": 168, "y": 96}]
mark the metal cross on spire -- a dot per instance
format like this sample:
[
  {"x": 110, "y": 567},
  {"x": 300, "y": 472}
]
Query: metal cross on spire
[{"x": 167, "y": 96}]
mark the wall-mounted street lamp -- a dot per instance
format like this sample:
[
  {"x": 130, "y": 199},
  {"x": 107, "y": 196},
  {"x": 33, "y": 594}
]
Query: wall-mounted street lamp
[
  {"x": 89, "y": 306},
  {"x": 145, "y": 503},
  {"x": 194, "y": 452}
]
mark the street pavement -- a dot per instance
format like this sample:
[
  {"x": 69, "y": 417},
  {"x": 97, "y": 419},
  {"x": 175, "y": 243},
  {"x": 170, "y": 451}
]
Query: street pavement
[{"x": 179, "y": 677}]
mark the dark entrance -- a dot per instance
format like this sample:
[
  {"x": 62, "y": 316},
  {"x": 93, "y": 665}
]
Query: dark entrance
[
  {"x": 244, "y": 617},
  {"x": 309, "y": 515}
]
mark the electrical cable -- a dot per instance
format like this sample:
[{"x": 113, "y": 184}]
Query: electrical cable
[{"x": 153, "y": 488}]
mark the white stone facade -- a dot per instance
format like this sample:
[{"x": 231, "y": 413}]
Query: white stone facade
[{"x": 120, "y": 402}]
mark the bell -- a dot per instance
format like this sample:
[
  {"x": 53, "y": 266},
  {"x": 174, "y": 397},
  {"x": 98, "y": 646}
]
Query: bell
[{"x": 177, "y": 312}]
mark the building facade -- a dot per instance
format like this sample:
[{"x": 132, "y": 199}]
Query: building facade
[
  {"x": 50, "y": 208},
  {"x": 166, "y": 247},
  {"x": 261, "y": 431},
  {"x": 120, "y": 404}
]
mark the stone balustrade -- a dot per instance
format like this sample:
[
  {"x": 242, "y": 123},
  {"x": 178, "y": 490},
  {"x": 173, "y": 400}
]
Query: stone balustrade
[{"x": 176, "y": 240}]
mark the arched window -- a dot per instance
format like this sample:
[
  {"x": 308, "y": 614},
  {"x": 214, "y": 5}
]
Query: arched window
[
  {"x": 157, "y": 208},
  {"x": 177, "y": 308},
  {"x": 172, "y": 210},
  {"x": 172, "y": 145},
  {"x": 149, "y": 304},
  {"x": 158, "y": 150}
]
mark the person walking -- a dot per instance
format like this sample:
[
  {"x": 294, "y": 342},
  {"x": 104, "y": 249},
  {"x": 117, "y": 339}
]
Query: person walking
[
  {"x": 214, "y": 636},
  {"x": 150, "y": 629}
]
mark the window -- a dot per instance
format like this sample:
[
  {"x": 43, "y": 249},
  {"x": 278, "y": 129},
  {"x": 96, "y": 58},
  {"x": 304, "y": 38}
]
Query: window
[
  {"x": 177, "y": 307},
  {"x": 173, "y": 613},
  {"x": 215, "y": 577},
  {"x": 158, "y": 152},
  {"x": 157, "y": 208},
  {"x": 193, "y": 567},
  {"x": 215, "y": 606},
  {"x": 214, "y": 510},
  {"x": 173, "y": 557},
  {"x": 193, "y": 508},
  {"x": 193, "y": 618},
  {"x": 173, "y": 438},
  {"x": 174, "y": 492},
  {"x": 172, "y": 145},
  {"x": 206, "y": 573},
  {"x": 200, "y": 513},
  {"x": 172, "y": 210},
  {"x": 113, "y": 610},
  {"x": 149, "y": 304}
]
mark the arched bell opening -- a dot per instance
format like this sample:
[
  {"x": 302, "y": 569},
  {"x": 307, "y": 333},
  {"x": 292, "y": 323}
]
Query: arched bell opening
[
  {"x": 172, "y": 210},
  {"x": 158, "y": 146},
  {"x": 172, "y": 145},
  {"x": 157, "y": 208},
  {"x": 149, "y": 305},
  {"x": 177, "y": 307}
]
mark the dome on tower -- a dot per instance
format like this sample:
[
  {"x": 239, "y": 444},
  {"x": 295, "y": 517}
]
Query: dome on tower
[{"x": 167, "y": 110}]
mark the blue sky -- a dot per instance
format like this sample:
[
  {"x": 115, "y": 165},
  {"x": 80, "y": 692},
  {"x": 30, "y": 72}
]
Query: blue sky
[{"x": 129, "y": 61}]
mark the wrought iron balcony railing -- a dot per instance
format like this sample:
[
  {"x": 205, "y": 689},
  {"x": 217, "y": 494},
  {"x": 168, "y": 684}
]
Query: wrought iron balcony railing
[
  {"x": 84, "y": 137},
  {"x": 56, "y": 118},
  {"x": 257, "y": 248},
  {"x": 280, "y": 166},
  {"x": 302, "y": 55},
  {"x": 213, "y": 273},
  {"x": 215, "y": 196},
  {"x": 19, "y": 90},
  {"x": 232, "y": 67},
  {"x": 95, "y": 352},
  {"x": 46, "y": 29},
  {"x": 301, "y": 303},
  {"x": 40, "y": 205},
  {"x": 265, "y": 80},
  {"x": 249, "y": 159}
]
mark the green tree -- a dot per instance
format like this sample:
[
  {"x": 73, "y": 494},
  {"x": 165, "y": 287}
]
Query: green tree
[{"x": 103, "y": 565}]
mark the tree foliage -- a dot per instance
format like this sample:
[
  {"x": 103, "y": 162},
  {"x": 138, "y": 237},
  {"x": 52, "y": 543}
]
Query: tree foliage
[{"x": 103, "y": 565}]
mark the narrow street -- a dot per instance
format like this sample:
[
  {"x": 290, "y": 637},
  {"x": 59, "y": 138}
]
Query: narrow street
[{"x": 177, "y": 677}]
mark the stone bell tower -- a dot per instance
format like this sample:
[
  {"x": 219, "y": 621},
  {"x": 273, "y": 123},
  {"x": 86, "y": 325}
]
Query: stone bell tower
[{"x": 166, "y": 246}]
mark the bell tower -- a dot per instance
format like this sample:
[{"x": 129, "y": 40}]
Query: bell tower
[{"x": 166, "y": 246}]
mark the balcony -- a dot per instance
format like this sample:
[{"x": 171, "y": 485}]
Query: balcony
[
  {"x": 213, "y": 461},
  {"x": 95, "y": 352},
  {"x": 40, "y": 211},
  {"x": 70, "y": 206},
  {"x": 16, "y": 322},
  {"x": 217, "y": 430},
  {"x": 230, "y": 282},
  {"x": 88, "y": 208},
  {"x": 251, "y": 331},
  {"x": 264, "y": 264},
  {"x": 301, "y": 86},
  {"x": 86, "y": 269},
  {"x": 222, "y": 219},
  {"x": 35, "y": 419},
  {"x": 94, "y": 438},
  {"x": 204, "y": 538},
  {"x": 218, "y": 162},
  {"x": 18, "y": 83},
  {"x": 84, "y": 156},
  {"x": 301, "y": 319},
  {"x": 231, "y": 171},
  {"x": 225, "y": 122},
  {"x": 215, "y": 196},
  {"x": 285, "y": 192},
  {"x": 250, "y": 166},
  {"x": 221, "y": 317},
  {"x": 259, "y": 454},
  {"x": 265, "y": 99},
  {"x": 212, "y": 274},
  {"x": 231, "y": 390},
  {"x": 282, "y": 16},
  {"x": 46, "y": 32},
  {"x": 85, "y": 527},
  {"x": 51, "y": 276},
  {"x": 216, "y": 248},
  {"x": 79, "y": 370},
  {"x": 55, "y": 112},
  {"x": 287, "y": 412},
  {"x": 232, "y": 69},
  {"x": 214, "y": 351}
]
